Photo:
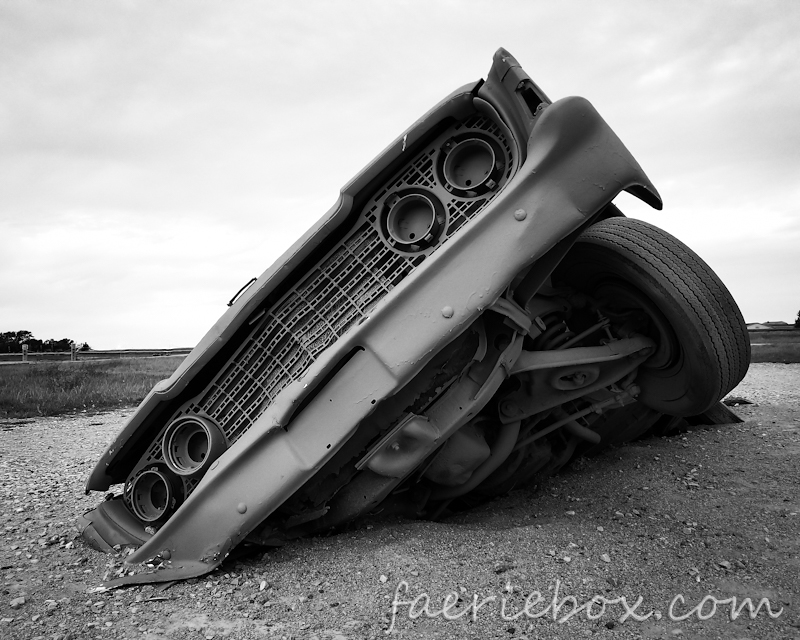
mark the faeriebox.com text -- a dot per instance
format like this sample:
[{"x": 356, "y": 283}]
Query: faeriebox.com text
[{"x": 560, "y": 608}]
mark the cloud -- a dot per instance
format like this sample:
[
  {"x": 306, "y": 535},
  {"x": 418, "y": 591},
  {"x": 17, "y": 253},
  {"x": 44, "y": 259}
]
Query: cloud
[
  {"x": 159, "y": 155},
  {"x": 104, "y": 279}
]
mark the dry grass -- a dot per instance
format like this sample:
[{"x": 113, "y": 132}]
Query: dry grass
[
  {"x": 775, "y": 346},
  {"x": 781, "y": 336},
  {"x": 786, "y": 352},
  {"x": 52, "y": 388}
]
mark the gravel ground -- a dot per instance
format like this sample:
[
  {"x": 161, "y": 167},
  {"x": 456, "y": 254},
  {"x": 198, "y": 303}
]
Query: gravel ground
[{"x": 709, "y": 513}]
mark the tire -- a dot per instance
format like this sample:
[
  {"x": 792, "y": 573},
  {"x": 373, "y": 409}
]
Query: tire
[{"x": 649, "y": 282}]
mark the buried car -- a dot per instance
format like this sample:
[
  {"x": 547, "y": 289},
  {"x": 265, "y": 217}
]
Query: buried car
[{"x": 472, "y": 313}]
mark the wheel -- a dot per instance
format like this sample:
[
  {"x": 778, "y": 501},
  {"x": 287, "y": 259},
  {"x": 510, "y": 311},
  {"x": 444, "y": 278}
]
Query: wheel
[{"x": 648, "y": 282}]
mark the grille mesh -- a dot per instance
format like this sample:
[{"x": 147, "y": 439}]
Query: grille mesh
[{"x": 336, "y": 295}]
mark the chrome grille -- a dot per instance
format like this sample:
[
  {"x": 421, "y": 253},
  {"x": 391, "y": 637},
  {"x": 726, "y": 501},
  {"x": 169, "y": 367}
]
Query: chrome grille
[{"x": 337, "y": 294}]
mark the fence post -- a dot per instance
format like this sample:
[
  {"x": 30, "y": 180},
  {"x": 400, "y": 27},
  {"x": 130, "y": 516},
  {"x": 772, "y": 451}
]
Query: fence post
[
  {"x": 72, "y": 353},
  {"x": 24, "y": 352}
]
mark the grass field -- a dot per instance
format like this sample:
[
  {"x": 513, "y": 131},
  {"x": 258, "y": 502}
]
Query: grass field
[
  {"x": 775, "y": 346},
  {"x": 52, "y": 388}
]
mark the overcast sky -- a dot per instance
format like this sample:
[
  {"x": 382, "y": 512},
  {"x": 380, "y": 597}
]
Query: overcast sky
[{"x": 154, "y": 156}]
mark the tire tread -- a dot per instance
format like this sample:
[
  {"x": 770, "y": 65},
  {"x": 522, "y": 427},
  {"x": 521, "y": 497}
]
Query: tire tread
[{"x": 686, "y": 275}]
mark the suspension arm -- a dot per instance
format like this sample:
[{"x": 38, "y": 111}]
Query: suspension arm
[{"x": 616, "y": 350}]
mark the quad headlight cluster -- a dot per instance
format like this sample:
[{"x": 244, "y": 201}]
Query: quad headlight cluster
[{"x": 189, "y": 446}]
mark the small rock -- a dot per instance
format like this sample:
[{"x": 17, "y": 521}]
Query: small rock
[
  {"x": 570, "y": 513},
  {"x": 605, "y": 557},
  {"x": 16, "y": 603},
  {"x": 383, "y": 578},
  {"x": 600, "y": 529},
  {"x": 725, "y": 564},
  {"x": 503, "y": 567}
]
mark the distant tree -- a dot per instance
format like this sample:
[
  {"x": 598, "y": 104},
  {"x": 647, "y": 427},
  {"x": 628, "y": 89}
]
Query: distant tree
[
  {"x": 62, "y": 345},
  {"x": 797, "y": 321},
  {"x": 7, "y": 340},
  {"x": 85, "y": 347},
  {"x": 12, "y": 341}
]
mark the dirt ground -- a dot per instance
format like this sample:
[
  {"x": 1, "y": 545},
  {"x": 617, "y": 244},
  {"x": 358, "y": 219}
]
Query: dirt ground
[{"x": 701, "y": 517}]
